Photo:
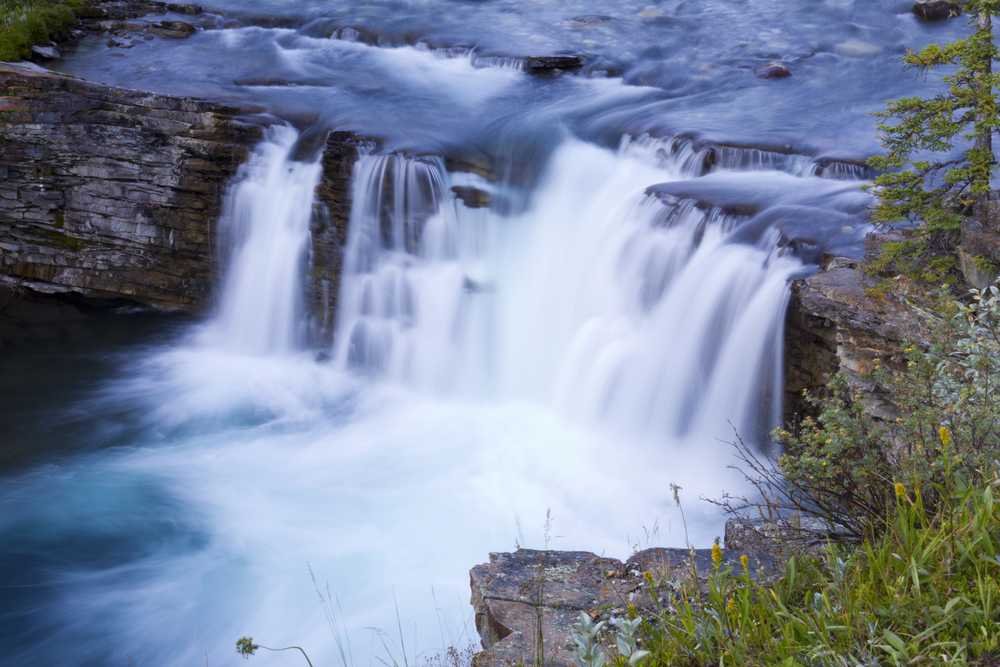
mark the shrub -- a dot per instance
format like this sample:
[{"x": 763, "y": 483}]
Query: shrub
[{"x": 24, "y": 23}]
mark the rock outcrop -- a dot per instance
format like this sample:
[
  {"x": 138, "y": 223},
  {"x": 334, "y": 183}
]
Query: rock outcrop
[
  {"x": 330, "y": 228},
  {"x": 529, "y": 598},
  {"x": 839, "y": 321},
  {"x": 112, "y": 193}
]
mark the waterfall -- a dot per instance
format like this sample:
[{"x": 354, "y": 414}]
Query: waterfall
[
  {"x": 264, "y": 235},
  {"x": 598, "y": 300}
]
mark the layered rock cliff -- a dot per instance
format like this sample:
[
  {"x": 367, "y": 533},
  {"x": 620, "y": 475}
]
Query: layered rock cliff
[
  {"x": 111, "y": 193},
  {"x": 838, "y": 321}
]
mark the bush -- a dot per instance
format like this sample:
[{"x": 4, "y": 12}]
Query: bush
[{"x": 24, "y": 23}]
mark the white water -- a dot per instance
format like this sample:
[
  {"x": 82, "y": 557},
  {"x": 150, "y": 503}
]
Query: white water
[
  {"x": 265, "y": 233},
  {"x": 597, "y": 302},
  {"x": 577, "y": 358}
]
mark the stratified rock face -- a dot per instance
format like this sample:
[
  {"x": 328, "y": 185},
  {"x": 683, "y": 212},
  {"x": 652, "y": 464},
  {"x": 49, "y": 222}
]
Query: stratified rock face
[
  {"x": 112, "y": 193},
  {"x": 837, "y": 321},
  {"x": 528, "y": 598},
  {"x": 330, "y": 226}
]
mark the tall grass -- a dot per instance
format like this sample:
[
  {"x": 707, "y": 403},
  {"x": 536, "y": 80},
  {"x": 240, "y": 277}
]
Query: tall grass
[{"x": 927, "y": 592}]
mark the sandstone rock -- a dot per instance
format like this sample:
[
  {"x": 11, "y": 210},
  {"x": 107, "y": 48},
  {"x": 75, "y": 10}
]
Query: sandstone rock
[
  {"x": 936, "y": 10},
  {"x": 530, "y": 598},
  {"x": 112, "y": 193},
  {"x": 773, "y": 71}
]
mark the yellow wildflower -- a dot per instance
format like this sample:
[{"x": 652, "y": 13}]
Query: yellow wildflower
[
  {"x": 945, "y": 434},
  {"x": 731, "y": 605},
  {"x": 745, "y": 562},
  {"x": 900, "y": 490},
  {"x": 716, "y": 553}
]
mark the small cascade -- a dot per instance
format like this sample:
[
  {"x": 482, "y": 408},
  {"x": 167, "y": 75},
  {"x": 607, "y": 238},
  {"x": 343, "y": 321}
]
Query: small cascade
[
  {"x": 264, "y": 235},
  {"x": 697, "y": 160},
  {"x": 412, "y": 274},
  {"x": 598, "y": 299}
]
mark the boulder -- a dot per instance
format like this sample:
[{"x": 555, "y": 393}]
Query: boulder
[
  {"x": 529, "y": 600},
  {"x": 936, "y": 10}
]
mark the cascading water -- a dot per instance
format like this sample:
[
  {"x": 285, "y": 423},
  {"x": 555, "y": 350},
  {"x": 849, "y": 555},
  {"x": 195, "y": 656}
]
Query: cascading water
[
  {"x": 598, "y": 299},
  {"x": 594, "y": 346},
  {"x": 265, "y": 233}
]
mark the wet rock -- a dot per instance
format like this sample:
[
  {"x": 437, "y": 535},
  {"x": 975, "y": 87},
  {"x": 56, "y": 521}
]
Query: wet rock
[
  {"x": 936, "y": 10},
  {"x": 529, "y": 597},
  {"x": 329, "y": 228},
  {"x": 856, "y": 48},
  {"x": 173, "y": 29},
  {"x": 839, "y": 321},
  {"x": 117, "y": 43},
  {"x": 773, "y": 71},
  {"x": 111, "y": 193},
  {"x": 45, "y": 52},
  {"x": 189, "y": 9},
  {"x": 471, "y": 196},
  {"x": 545, "y": 65}
]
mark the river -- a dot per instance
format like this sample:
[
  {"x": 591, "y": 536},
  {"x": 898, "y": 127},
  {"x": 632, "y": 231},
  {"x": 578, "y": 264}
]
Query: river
[{"x": 534, "y": 373}]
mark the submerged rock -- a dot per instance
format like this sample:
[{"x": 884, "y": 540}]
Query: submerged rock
[
  {"x": 173, "y": 29},
  {"x": 936, "y": 10},
  {"x": 773, "y": 71}
]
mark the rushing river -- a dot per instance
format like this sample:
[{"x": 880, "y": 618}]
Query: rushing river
[{"x": 593, "y": 336}]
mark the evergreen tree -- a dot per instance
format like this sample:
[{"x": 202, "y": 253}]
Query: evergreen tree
[{"x": 957, "y": 126}]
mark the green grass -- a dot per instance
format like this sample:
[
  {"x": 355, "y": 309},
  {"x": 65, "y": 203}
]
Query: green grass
[
  {"x": 27, "y": 22},
  {"x": 927, "y": 592}
]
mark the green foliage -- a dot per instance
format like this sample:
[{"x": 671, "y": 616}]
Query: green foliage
[
  {"x": 939, "y": 192},
  {"x": 921, "y": 585},
  {"x": 24, "y": 23},
  {"x": 927, "y": 592},
  {"x": 841, "y": 466}
]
